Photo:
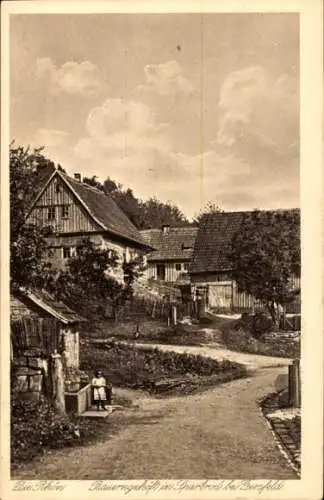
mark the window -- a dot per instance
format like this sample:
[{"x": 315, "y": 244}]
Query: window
[
  {"x": 186, "y": 266},
  {"x": 65, "y": 211},
  {"x": 132, "y": 255},
  {"x": 51, "y": 214},
  {"x": 178, "y": 267},
  {"x": 67, "y": 252}
]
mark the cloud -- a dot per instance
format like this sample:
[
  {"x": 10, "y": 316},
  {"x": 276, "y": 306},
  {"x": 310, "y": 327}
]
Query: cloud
[
  {"x": 56, "y": 143},
  {"x": 124, "y": 141},
  {"x": 259, "y": 116},
  {"x": 166, "y": 78},
  {"x": 72, "y": 77},
  {"x": 253, "y": 161},
  {"x": 120, "y": 115},
  {"x": 50, "y": 137}
]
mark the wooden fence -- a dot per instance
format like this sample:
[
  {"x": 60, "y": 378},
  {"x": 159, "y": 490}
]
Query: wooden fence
[
  {"x": 244, "y": 302},
  {"x": 154, "y": 308},
  {"x": 42, "y": 334}
]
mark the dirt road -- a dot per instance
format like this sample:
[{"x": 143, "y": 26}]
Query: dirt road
[
  {"x": 251, "y": 361},
  {"x": 218, "y": 434}
]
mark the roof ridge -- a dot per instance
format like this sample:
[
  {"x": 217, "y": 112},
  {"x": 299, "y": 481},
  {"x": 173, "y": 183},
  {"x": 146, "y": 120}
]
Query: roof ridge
[
  {"x": 118, "y": 222},
  {"x": 86, "y": 185}
]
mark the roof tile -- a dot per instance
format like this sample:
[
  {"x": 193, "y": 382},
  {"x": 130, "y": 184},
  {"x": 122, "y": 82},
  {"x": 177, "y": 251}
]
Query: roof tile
[
  {"x": 214, "y": 240},
  {"x": 176, "y": 243}
]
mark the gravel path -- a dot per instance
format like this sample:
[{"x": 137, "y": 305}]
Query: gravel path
[
  {"x": 251, "y": 361},
  {"x": 218, "y": 434}
]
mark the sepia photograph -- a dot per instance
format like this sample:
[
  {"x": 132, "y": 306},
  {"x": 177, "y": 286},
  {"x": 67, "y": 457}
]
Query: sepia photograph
[{"x": 155, "y": 288}]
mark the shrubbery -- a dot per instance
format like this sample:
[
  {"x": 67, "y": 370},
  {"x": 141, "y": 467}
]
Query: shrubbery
[
  {"x": 242, "y": 340},
  {"x": 35, "y": 426},
  {"x": 127, "y": 365}
]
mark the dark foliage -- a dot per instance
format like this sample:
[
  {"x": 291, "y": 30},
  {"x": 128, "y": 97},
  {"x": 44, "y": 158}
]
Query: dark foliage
[
  {"x": 265, "y": 255},
  {"x": 148, "y": 214},
  {"x": 28, "y": 254},
  {"x": 88, "y": 279},
  {"x": 237, "y": 336},
  {"x": 35, "y": 427},
  {"x": 261, "y": 323},
  {"x": 129, "y": 366},
  {"x": 210, "y": 208}
]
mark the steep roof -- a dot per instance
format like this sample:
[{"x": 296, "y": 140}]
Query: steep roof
[
  {"x": 45, "y": 301},
  {"x": 176, "y": 243},
  {"x": 100, "y": 206},
  {"x": 214, "y": 240}
]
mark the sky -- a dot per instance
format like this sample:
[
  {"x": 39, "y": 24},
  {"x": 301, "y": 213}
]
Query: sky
[{"x": 188, "y": 108}]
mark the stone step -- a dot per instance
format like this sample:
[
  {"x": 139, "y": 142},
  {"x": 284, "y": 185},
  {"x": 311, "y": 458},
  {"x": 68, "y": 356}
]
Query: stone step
[{"x": 94, "y": 413}]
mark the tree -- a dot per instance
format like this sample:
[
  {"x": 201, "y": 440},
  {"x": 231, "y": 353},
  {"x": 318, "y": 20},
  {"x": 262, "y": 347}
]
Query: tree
[
  {"x": 148, "y": 214},
  {"x": 210, "y": 208},
  {"x": 28, "y": 252},
  {"x": 155, "y": 214},
  {"x": 88, "y": 277},
  {"x": 133, "y": 270},
  {"x": 92, "y": 181},
  {"x": 265, "y": 254}
]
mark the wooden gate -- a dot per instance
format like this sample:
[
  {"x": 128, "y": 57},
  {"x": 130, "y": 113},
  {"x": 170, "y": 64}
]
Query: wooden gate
[{"x": 220, "y": 296}]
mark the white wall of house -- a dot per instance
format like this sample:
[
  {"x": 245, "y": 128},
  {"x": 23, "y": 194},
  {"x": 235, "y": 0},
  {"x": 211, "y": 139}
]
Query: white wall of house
[
  {"x": 59, "y": 208},
  {"x": 170, "y": 270}
]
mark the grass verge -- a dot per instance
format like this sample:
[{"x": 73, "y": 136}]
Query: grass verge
[
  {"x": 243, "y": 341},
  {"x": 125, "y": 365}
]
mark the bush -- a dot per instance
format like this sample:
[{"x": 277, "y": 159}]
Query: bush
[
  {"x": 35, "y": 426},
  {"x": 242, "y": 340},
  {"x": 261, "y": 323},
  {"x": 127, "y": 365}
]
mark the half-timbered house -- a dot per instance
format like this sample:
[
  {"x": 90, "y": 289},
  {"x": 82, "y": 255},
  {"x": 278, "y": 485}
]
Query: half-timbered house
[
  {"x": 211, "y": 269},
  {"x": 74, "y": 210},
  {"x": 174, "y": 246}
]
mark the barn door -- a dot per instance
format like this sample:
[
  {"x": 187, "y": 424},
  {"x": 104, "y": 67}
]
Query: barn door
[{"x": 220, "y": 296}]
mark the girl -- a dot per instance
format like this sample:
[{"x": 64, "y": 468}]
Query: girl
[{"x": 99, "y": 387}]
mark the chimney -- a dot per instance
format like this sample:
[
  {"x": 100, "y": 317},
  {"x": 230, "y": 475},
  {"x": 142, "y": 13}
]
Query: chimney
[
  {"x": 77, "y": 177},
  {"x": 165, "y": 228}
]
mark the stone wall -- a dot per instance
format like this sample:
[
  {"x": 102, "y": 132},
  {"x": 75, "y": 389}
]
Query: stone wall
[{"x": 30, "y": 376}]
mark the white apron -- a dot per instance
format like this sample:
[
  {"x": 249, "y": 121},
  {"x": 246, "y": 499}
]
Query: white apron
[{"x": 99, "y": 392}]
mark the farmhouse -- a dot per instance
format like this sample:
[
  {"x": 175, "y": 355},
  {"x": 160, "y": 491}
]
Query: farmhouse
[
  {"x": 210, "y": 269},
  {"x": 74, "y": 210},
  {"x": 174, "y": 246}
]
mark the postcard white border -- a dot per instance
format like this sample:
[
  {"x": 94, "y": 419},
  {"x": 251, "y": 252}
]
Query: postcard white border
[{"x": 312, "y": 210}]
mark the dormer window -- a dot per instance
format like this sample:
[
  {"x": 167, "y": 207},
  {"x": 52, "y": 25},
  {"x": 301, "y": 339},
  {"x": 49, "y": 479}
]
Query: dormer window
[
  {"x": 51, "y": 214},
  {"x": 65, "y": 212}
]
